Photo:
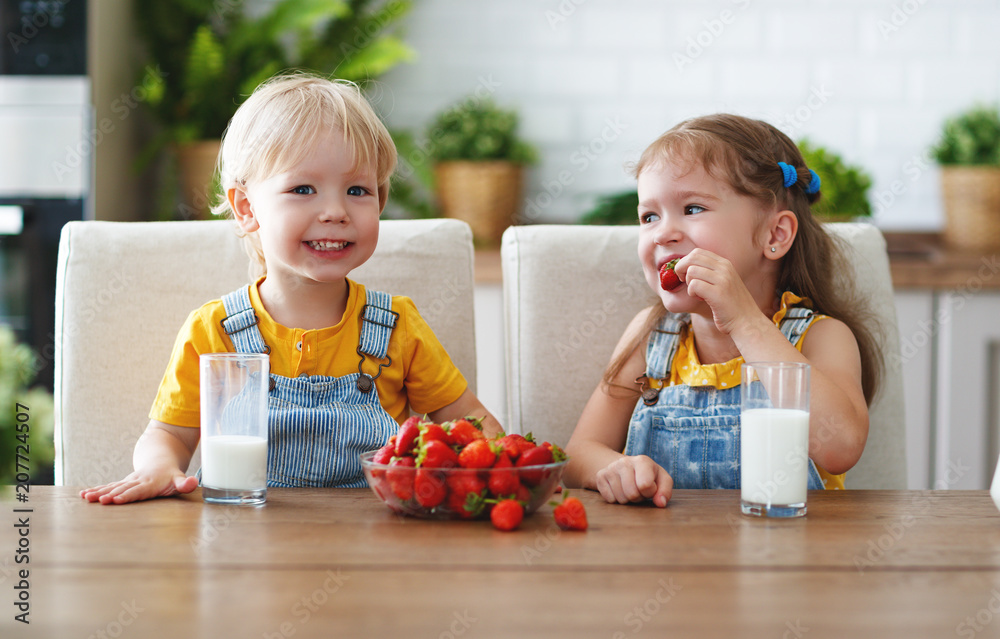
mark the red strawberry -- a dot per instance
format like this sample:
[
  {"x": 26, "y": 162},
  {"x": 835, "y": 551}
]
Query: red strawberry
[
  {"x": 536, "y": 456},
  {"x": 429, "y": 487},
  {"x": 523, "y": 494},
  {"x": 668, "y": 276},
  {"x": 461, "y": 486},
  {"x": 570, "y": 513},
  {"x": 407, "y": 434},
  {"x": 478, "y": 454},
  {"x": 400, "y": 477},
  {"x": 503, "y": 479},
  {"x": 429, "y": 431},
  {"x": 436, "y": 454},
  {"x": 507, "y": 514},
  {"x": 462, "y": 432},
  {"x": 382, "y": 456},
  {"x": 515, "y": 444}
]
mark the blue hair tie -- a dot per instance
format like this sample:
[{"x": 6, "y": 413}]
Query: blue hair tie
[
  {"x": 813, "y": 183},
  {"x": 791, "y": 176}
]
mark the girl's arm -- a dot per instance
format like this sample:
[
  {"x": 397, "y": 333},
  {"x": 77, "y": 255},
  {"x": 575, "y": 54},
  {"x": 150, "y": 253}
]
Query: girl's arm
[
  {"x": 468, "y": 405},
  {"x": 160, "y": 458},
  {"x": 595, "y": 460},
  {"x": 838, "y": 412}
]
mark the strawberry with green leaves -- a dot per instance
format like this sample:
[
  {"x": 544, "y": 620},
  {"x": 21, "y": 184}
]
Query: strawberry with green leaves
[
  {"x": 478, "y": 454},
  {"x": 668, "y": 276},
  {"x": 466, "y": 491},
  {"x": 462, "y": 432},
  {"x": 503, "y": 478},
  {"x": 507, "y": 514},
  {"x": 407, "y": 435},
  {"x": 436, "y": 454},
  {"x": 570, "y": 513}
]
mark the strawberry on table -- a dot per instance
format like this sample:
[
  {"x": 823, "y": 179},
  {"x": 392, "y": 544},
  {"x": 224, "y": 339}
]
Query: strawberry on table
[
  {"x": 507, "y": 514},
  {"x": 668, "y": 276},
  {"x": 570, "y": 513}
]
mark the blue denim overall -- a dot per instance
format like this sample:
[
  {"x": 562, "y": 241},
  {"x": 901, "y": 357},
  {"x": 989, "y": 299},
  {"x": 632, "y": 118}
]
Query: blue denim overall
[
  {"x": 693, "y": 432},
  {"x": 319, "y": 425}
]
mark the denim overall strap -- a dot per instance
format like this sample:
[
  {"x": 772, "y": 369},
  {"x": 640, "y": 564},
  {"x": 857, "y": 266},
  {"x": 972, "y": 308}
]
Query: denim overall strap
[
  {"x": 795, "y": 322},
  {"x": 241, "y": 323},
  {"x": 663, "y": 343},
  {"x": 378, "y": 320}
]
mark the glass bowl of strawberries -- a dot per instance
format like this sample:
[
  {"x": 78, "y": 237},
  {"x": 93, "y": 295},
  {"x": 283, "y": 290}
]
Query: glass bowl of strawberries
[{"x": 453, "y": 471}]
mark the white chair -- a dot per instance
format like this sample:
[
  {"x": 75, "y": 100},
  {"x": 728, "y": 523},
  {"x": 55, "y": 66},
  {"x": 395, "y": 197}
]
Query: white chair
[
  {"x": 570, "y": 291},
  {"x": 124, "y": 289}
]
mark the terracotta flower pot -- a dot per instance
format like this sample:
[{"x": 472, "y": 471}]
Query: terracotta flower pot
[
  {"x": 486, "y": 195},
  {"x": 971, "y": 197}
]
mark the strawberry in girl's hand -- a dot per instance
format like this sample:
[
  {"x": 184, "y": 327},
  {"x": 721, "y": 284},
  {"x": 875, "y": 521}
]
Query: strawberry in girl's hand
[
  {"x": 478, "y": 454},
  {"x": 668, "y": 276},
  {"x": 507, "y": 514},
  {"x": 570, "y": 513},
  {"x": 429, "y": 487},
  {"x": 436, "y": 454}
]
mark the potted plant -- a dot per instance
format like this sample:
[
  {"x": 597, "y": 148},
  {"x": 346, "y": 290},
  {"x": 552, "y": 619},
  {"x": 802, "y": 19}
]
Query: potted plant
[
  {"x": 844, "y": 191},
  {"x": 969, "y": 154},
  {"x": 26, "y": 417},
  {"x": 207, "y": 56},
  {"x": 479, "y": 164}
]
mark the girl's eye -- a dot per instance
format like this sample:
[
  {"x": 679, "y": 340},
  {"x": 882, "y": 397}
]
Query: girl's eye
[
  {"x": 692, "y": 209},
  {"x": 646, "y": 218},
  {"x": 303, "y": 190},
  {"x": 357, "y": 191}
]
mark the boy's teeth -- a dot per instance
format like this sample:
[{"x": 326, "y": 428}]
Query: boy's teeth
[{"x": 327, "y": 246}]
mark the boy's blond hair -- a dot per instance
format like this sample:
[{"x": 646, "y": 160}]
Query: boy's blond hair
[{"x": 277, "y": 126}]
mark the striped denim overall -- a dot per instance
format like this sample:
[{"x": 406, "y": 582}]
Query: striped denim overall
[
  {"x": 693, "y": 432},
  {"x": 319, "y": 425}
]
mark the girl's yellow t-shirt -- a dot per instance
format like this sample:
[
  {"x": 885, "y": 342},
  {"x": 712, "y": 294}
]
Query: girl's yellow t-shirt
[
  {"x": 686, "y": 369},
  {"x": 421, "y": 377}
]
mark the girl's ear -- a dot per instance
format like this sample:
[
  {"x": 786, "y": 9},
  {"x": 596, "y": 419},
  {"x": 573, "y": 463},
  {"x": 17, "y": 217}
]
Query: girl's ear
[
  {"x": 782, "y": 233},
  {"x": 242, "y": 210}
]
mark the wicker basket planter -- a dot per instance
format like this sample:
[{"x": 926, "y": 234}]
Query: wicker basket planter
[
  {"x": 971, "y": 197},
  {"x": 486, "y": 195},
  {"x": 196, "y": 172}
]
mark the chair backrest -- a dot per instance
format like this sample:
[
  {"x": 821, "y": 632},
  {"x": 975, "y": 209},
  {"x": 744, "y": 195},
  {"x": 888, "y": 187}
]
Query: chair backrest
[
  {"x": 570, "y": 291},
  {"x": 124, "y": 289}
]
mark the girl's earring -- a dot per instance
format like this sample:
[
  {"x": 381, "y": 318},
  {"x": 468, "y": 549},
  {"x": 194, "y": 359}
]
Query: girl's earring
[{"x": 774, "y": 250}]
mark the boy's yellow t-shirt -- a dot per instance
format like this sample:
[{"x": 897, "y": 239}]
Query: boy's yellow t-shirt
[{"x": 421, "y": 377}]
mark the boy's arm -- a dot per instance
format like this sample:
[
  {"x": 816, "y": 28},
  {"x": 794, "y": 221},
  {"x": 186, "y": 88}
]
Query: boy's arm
[
  {"x": 468, "y": 405},
  {"x": 161, "y": 456}
]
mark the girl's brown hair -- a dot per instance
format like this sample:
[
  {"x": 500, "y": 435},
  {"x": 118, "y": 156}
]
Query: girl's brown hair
[{"x": 745, "y": 154}]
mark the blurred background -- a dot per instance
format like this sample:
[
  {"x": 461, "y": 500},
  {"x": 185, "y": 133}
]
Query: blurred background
[{"x": 101, "y": 100}]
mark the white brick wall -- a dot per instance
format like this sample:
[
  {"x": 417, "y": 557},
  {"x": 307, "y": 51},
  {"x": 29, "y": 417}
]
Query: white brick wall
[{"x": 888, "y": 71}]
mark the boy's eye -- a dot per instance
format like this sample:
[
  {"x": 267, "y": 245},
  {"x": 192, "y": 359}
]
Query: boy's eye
[
  {"x": 303, "y": 190},
  {"x": 357, "y": 191},
  {"x": 692, "y": 209},
  {"x": 646, "y": 218}
]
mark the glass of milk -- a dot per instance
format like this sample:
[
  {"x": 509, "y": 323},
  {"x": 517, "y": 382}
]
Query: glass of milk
[
  {"x": 774, "y": 439},
  {"x": 234, "y": 390}
]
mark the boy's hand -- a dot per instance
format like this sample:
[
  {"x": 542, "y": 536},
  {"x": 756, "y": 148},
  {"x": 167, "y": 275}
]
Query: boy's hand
[
  {"x": 637, "y": 478},
  {"x": 139, "y": 486}
]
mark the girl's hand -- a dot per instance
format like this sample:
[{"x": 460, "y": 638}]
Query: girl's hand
[
  {"x": 714, "y": 280},
  {"x": 139, "y": 486},
  {"x": 632, "y": 479}
]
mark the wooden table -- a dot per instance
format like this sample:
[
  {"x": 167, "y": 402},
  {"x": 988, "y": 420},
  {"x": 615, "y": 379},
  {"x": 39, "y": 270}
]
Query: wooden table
[{"x": 337, "y": 563}]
